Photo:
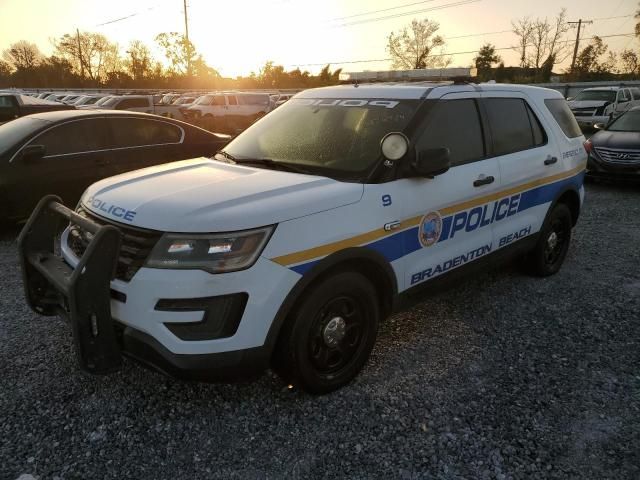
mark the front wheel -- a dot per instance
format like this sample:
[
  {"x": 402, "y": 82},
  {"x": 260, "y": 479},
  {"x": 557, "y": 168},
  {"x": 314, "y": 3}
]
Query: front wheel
[
  {"x": 328, "y": 338},
  {"x": 553, "y": 244}
]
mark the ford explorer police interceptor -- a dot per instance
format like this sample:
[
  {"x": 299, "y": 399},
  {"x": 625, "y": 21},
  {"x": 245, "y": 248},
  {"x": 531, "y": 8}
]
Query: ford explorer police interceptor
[{"x": 291, "y": 245}]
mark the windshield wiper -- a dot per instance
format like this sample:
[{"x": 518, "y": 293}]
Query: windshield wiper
[
  {"x": 227, "y": 155},
  {"x": 268, "y": 162}
]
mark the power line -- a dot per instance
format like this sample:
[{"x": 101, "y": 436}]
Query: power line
[
  {"x": 404, "y": 14},
  {"x": 380, "y": 11},
  {"x": 437, "y": 55},
  {"x": 126, "y": 17}
]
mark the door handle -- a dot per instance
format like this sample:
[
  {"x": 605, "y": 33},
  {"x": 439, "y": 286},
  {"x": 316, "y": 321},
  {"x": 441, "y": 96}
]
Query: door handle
[
  {"x": 551, "y": 160},
  {"x": 483, "y": 180},
  {"x": 391, "y": 225}
]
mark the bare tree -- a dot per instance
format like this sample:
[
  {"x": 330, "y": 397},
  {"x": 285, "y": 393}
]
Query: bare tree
[
  {"x": 547, "y": 45},
  {"x": 523, "y": 28},
  {"x": 418, "y": 46},
  {"x": 22, "y": 55}
]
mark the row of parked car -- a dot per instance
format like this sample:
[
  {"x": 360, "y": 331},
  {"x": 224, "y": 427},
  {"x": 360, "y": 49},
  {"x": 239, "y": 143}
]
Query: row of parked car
[{"x": 229, "y": 112}]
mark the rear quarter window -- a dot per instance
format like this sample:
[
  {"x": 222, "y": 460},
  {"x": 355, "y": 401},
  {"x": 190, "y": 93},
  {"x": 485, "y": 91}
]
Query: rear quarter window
[{"x": 563, "y": 116}]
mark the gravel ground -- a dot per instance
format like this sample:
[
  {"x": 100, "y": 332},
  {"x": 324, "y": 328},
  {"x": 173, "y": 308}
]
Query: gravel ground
[{"x": 504, "y": 377}]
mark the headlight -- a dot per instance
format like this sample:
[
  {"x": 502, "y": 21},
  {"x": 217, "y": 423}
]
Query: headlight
[{"x": 214, "y": 253}]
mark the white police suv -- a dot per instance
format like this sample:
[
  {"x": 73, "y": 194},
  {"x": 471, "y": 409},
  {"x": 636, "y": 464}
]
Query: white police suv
[{"x": 291, "y": 245}]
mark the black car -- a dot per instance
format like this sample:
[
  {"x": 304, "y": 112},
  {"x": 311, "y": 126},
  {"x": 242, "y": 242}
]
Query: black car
[
  {"x": 14, "y": 105},
  {"x": 614, "y": 151},
  {"x": 64, "y": 152}
]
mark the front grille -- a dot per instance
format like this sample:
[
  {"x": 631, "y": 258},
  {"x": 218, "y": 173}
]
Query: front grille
[
  {"x": 136, "y": 244},
  {"x": 619, "y": 156},
  {"x": 584, "y": 112}
]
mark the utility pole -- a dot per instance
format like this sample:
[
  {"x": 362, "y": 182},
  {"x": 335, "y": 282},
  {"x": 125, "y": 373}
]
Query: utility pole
[
  {"x": 80, "y": 53},
  {"x": 575, "y": 48},
  {"x": 186, "y": 36}
]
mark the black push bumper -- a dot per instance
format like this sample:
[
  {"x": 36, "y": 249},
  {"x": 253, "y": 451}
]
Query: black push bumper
[{"x": 83, "y": 295}]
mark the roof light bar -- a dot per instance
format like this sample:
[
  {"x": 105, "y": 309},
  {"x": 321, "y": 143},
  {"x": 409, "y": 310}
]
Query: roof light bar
[{"x": 410, "y": 75}]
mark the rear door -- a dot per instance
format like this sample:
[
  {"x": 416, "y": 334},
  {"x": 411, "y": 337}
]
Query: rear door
[
  {"x": 76, "y": 156},
  {"x": 142, "y": 142},
  {"x": 449, "y": 216},
  {"x": 528, "y": 160}
]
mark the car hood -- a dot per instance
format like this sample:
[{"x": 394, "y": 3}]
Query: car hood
[
  {"x": 622, "y": 140},
  {"x": 587, "y": 103},
  {"x": 203, "y": 195}
]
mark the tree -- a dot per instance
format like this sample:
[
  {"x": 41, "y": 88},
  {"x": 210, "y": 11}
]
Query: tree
[
  {"x": 630, "y": 62},
  {"x": 547, "y": 40},
  {"x": 588, "y": 61},
  {"x": 523, "y": 29},
  {"x": 139, "y": 62},
  {"x": 487, "y": 56},
  {"x": 637, "y": 17},
  {"x": 91, "y": 54},
  {"x": 414, "y": 46},
  {"x": 22, "y": 55},
  {"x": 179, "y": 51}
]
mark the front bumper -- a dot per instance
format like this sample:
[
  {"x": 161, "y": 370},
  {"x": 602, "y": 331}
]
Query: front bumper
[
  {"x": 597, "y": 168},
  {"x": 127, "y": 314},
  {"x": 590, "y": 121}
]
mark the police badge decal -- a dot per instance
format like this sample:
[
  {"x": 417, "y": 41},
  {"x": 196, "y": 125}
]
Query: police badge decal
[{"x": 430, "y": 229}]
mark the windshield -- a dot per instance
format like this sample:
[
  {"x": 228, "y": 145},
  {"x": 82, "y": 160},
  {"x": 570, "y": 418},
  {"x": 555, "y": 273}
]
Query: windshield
[
  {"x": 111, "y": 102},
  {"x": 596, "y": 95},
  {"x": 102, "y": 101},
  {"x": 12, "y": 132},
  {"x": 331, "y": 135},
  {"x": 629, "y": 122}
]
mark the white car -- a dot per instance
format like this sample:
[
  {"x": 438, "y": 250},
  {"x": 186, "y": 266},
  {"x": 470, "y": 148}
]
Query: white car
[
  {"x": 229, "y": 112},
  {"x": 600, "y": 105},
  {"x": 312, "y": 226}
]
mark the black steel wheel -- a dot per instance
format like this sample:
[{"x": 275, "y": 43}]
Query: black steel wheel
[
  {"x": 553, "y": 243},
  {"x": 329, "y": 337}
]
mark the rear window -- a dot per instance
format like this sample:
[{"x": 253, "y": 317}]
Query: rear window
[
  {"x": 514, "y": 126},
  {"x": 563, "y": 116}
]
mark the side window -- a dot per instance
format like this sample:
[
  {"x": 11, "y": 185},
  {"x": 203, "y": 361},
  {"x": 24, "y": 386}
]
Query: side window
[
  {"x": 512, "y": 127},
  {"x": 563, "y": 116},
  {"x": 74, "y": 137},
  {"x": 232, "y": 100},
  {"x": 218, "y": 100},
  {"x": 445, "y": 126},
  {"x": 133, "y": 103},
  {"x": 6, "y": 102},
  {"x": 137, "y": 132},
  {"x": 539, "y": 136},
  {"x": 635, "y": 92},
  {"x": 623, "y": 96}
]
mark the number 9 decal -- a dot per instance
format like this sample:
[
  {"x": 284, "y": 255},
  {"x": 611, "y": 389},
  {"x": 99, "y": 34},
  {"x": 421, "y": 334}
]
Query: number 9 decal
[{"x": 386, "y": 200}]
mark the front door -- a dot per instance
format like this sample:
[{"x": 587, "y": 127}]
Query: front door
[{"x": 448, "y": 218}]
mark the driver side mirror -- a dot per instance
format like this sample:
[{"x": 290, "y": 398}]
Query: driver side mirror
[
  {"x": 431, "y": 162},
  {"x": 33, "y": 152}
]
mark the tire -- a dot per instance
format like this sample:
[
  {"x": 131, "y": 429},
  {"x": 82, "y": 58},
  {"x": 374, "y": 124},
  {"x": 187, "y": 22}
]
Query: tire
[
  {"x": 555, "y": 236},
  {"x": 328, "y": 337}
]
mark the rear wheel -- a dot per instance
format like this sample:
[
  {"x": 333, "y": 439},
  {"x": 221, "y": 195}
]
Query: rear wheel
[
  {"x": 550, "y": 251},
  {"x": 329, "y": 337}
]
